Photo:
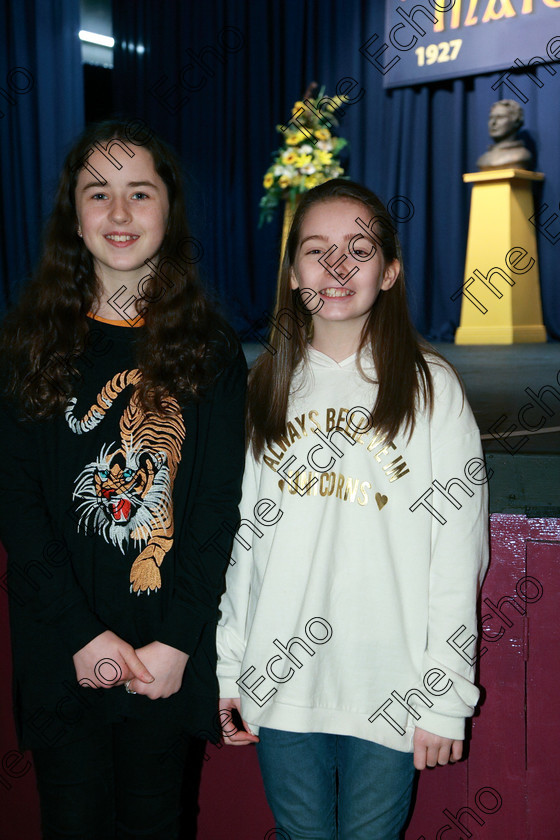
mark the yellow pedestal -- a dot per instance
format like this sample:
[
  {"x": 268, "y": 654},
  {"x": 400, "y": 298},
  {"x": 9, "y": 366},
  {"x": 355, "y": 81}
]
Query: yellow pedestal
[
  {"x": 289, "y": 210},
  {"x": 495, "y": 309}
]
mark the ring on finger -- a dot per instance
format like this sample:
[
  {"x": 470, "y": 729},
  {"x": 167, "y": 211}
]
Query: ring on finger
[{"x": 128, "y": 688}]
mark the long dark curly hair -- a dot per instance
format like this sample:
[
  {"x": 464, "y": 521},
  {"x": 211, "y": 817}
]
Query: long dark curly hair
[{"x": 183, "y": 335}]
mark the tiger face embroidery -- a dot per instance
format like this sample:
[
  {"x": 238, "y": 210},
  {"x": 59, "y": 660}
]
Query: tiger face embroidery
[
  {"x": 122, "y": 493},
  {"x": 126, "y": 493}
]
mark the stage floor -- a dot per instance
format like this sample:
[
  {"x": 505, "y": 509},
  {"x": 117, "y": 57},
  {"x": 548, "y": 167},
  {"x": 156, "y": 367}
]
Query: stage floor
[{"x": 496, "y": 376}]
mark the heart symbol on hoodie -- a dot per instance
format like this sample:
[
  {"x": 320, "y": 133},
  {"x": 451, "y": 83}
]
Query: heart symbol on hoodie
[{"x": 381, "y": 500}]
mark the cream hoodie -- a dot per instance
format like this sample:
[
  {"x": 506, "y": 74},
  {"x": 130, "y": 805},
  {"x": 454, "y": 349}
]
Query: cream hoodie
[{"x": 351, "y": 592}]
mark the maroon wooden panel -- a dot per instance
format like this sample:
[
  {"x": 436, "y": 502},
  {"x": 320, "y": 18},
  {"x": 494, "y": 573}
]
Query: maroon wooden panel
[
  {"x": 496, "y": 750},
  {"x": 497, "y": 755},
  {"x": 19, "y": 801},
  {"x": 543, "y": 680},
  {"x": 232, "y": 800},
  {"x": 510, "y": 756}
]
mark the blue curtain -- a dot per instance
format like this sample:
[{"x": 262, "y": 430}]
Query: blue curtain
[
  {"x": 41, "y": 111},
  {"x": 250, "y": 61}
]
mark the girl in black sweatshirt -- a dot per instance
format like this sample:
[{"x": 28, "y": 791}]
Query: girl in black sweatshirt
[{"x": 122, "y": 424}]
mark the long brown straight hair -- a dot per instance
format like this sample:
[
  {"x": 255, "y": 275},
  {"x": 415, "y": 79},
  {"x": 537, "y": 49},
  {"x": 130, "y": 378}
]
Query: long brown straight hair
[{"x": 403, "y": 373}]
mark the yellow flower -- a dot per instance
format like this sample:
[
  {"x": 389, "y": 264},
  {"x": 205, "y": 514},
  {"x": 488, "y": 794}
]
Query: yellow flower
[
  {"x": 294, "y": 139},
  {"x": 324, "y": 158},
  {"x": 284, "y": 181},
  {"x": 303, "y": 160},
  {"x": 312, "y": 181},
  {"x": 268, "y": 180},
  {"x": 322, "y": 133},
  {"x": 289, "y": 157},
  {"x": 297, "y": 107}
]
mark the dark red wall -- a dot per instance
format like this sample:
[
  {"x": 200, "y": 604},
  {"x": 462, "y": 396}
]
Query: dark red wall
[{"x": 508, "y": 786}]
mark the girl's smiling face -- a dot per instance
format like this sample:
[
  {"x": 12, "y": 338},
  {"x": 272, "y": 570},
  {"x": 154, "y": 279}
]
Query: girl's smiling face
[
  {"x": 123, "y": 221},
  {"x": 349, "y": 294}
]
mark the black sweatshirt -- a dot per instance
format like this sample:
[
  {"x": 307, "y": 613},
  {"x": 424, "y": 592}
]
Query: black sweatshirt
[{"x": 115, "y": 519}]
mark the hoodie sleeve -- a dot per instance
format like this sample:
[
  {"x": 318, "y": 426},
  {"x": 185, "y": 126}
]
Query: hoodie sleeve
[
  {"x": 40, "y": 577},
  {"x": 232, "y": 627},
  {"x": 214, "y": 518},
  {"x": 458, "y": 505}
]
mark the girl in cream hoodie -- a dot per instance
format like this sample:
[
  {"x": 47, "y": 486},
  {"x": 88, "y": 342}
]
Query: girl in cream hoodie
[{"x": 347, "y": 629}]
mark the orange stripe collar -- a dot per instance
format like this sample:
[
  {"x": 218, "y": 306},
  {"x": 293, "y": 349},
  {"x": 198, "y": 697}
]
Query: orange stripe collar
[{"x": 138, "y": 323}]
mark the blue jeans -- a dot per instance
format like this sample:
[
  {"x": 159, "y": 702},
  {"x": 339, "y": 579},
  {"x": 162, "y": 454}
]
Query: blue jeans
[{"x": 302, "y": 773}]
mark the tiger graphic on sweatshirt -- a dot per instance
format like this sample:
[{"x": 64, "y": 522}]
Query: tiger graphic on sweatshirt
[{"x": 126, "y": 493}]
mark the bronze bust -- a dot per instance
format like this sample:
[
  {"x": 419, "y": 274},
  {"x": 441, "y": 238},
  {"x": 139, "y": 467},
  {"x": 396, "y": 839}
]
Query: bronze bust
[{"x": 506, "y": 118}]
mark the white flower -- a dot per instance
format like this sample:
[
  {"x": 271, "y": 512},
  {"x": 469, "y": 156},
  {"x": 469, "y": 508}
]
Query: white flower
[
  {"x": 325, "y": 145},
  {"x": 308, "y": 169},
  {"x": 306, "y": 149},
  {"x": 284, "y": 170}
]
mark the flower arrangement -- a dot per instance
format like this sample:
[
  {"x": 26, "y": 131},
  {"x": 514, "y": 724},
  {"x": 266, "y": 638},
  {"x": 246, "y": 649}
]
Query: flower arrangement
[{"x": 309, "y": 156}]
